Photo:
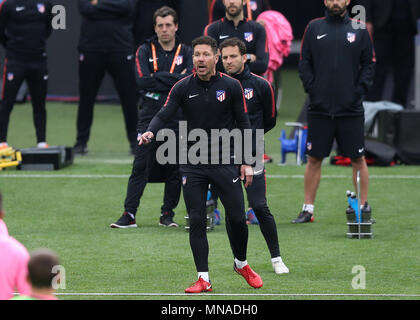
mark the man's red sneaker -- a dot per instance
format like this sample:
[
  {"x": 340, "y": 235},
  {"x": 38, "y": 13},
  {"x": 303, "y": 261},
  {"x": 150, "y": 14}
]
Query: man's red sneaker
[
  {"x": 253, "y": 279},
  {"x": 199, "y": 286}
]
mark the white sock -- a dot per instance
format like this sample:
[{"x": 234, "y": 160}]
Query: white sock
[
  {"x": 308, "y": 207},
  {"x": 240, "y": 264},
  {"x": 204, "y": 276},
  {"x": 276, "y": 259}
]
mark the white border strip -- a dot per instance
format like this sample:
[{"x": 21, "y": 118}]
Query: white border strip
[
  {"x": 142, "y": 294},
  {"x": 124, "y": 176}
]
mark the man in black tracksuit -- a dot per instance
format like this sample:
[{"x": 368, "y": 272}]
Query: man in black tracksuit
[
  {"x": 106, "y": 45},
  {"x": 252, "y": 33},
  {"x": 253, "y": 8},
  {"x": 160, "y": 62},
  {"x": 393, "y": 25},
  {"x": 25, "y": 26},
  {"x": 210, "y": 101},
  {"x": 337, "y": 66},
  {"x": 262, "y": 114}
]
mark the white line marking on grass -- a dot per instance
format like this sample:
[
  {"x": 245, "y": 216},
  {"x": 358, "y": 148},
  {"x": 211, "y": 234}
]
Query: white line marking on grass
[
  {"x": 124, "y": 176},
  {"x": 144, "y": 294}
]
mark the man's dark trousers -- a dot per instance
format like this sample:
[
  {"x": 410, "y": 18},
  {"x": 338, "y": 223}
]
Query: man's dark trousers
[{"x": 92, "y": 69}]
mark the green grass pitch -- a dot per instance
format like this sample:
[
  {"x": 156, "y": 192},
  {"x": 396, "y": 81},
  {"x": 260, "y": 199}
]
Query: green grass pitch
[{"x": 71, "y": 215}]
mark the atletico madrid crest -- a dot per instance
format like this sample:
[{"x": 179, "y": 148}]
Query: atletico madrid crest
[
  {"x": 249, "y": 93},
  {"x": 179, "y": 60},
  {"x": 41, "y": 7},
  {"x": 248, "y": 36},
  {"x": 221, "y": 95},
  {"x": 351, "y": 37}
]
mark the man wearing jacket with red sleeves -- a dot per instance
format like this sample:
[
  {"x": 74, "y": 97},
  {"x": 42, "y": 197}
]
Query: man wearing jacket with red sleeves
[
  {"x": 337, "y": 66},
  {"x": 160, "y": 62}
]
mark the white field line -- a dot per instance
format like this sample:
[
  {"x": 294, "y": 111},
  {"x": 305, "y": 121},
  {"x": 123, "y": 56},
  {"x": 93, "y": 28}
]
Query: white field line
[
  {"x": 125, "y": 176},
  {"x": 144, "y": 294}
]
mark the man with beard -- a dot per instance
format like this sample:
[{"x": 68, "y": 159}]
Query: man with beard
[
  {"x": 337, "y": 66},
  {"x": 234, "y": 24},
  {"x": 211, "y": 101},
  {"x": 160, "y": 62},
  {"x": 262, "y": 115}
]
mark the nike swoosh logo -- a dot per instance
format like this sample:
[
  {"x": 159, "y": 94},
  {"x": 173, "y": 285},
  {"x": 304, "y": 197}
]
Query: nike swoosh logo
[
  {"x": 208, "y": 287},
  {"x": 223, "y": 37},
  {"x": 151, "y": 60},
  {"x": 20, "y": 9},
  {"x": 235, "y": 180},
  {"x": 361, "y": 150},
  {"x": 257, "y": 172},
  {"x": 192, "y": 96},
  {"x": 322, "y": 36}
]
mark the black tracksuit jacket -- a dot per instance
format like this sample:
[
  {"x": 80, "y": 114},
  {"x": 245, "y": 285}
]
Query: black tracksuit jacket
[
  {"x": 25, "y": 26},
  {"x": 215, "y": 104},
  {"x": 252, "y": 33},
  {"x": 154, "y": 86},
  {"x": 260, "y": 101},
  {"x": 107, "y": 26},
  {"x": 337, "y": 66}
]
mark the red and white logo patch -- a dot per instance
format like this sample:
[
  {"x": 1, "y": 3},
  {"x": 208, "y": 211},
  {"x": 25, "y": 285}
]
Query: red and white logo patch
[
  {"x": 41, "y": 7},
  {"x": 249, "y": 93},
  {"x": 179, "y": 60},
  {"x": 351, "y": 37},
  {"x": 10, "y": 76},
  {"x": 248, "y": 36},
  {"x": 221, "y": 95}
]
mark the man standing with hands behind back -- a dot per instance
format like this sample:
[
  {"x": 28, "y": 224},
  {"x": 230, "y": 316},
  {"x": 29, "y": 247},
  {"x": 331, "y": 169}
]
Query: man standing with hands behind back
[
  {"x": 106, "y": 45},
  {"x": 337, "y": 66}
]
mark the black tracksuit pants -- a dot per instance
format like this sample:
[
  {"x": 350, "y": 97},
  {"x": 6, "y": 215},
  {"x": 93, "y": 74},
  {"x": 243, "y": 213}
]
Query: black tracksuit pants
[
  {"x": 394, "y": 47},
  {"x": 195, "y": 185},
  {"x": 36, "y": 75},
  {"x": 257, "y": 200},
  {"x": 145, "y": 158},
  {"x": 92, "y": 69}
]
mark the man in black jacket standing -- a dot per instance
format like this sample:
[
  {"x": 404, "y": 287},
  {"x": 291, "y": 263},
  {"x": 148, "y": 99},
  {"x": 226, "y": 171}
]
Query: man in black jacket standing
[
  {"x": 392, "y": 24},
  {"x": 106, "y": 45},
  {"x": 210, "y": 101},
  {"x": 160, "y": 62},
  {"x": 24, "y": 29},
  {"x": 234, "y": 24},
  {"x": 336, "y": 67},
  {"x": 262, "y": 114}
]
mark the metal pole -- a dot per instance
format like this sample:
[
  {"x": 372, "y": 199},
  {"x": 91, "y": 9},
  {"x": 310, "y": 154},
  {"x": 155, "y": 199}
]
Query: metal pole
[{"x": 417, "y": 75}]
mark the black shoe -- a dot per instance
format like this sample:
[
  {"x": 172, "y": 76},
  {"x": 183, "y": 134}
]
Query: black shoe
[
  {"x": 80, "y": 149},
  {"x": 125, "y": 221},
  {"x": 303, "y": 217},
  {"x": 166, "y": 219}
]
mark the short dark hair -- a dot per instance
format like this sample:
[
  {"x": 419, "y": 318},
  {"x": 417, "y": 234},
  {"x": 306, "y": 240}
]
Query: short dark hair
[
  {"x": 164, "y": 12},
  {"x": 40, "y": 267},
  {"x": 234, "y": 42},
  {"x": 205, "y": 40}
]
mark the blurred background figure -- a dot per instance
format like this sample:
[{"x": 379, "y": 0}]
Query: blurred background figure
[
  {"x": 13, "y": 262},
  {"x": 106, "y": 45},
  {"x": 41, "y": 276},
  {"x": 25, "y": 27},
  {"x": 392, "y": 23}
]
